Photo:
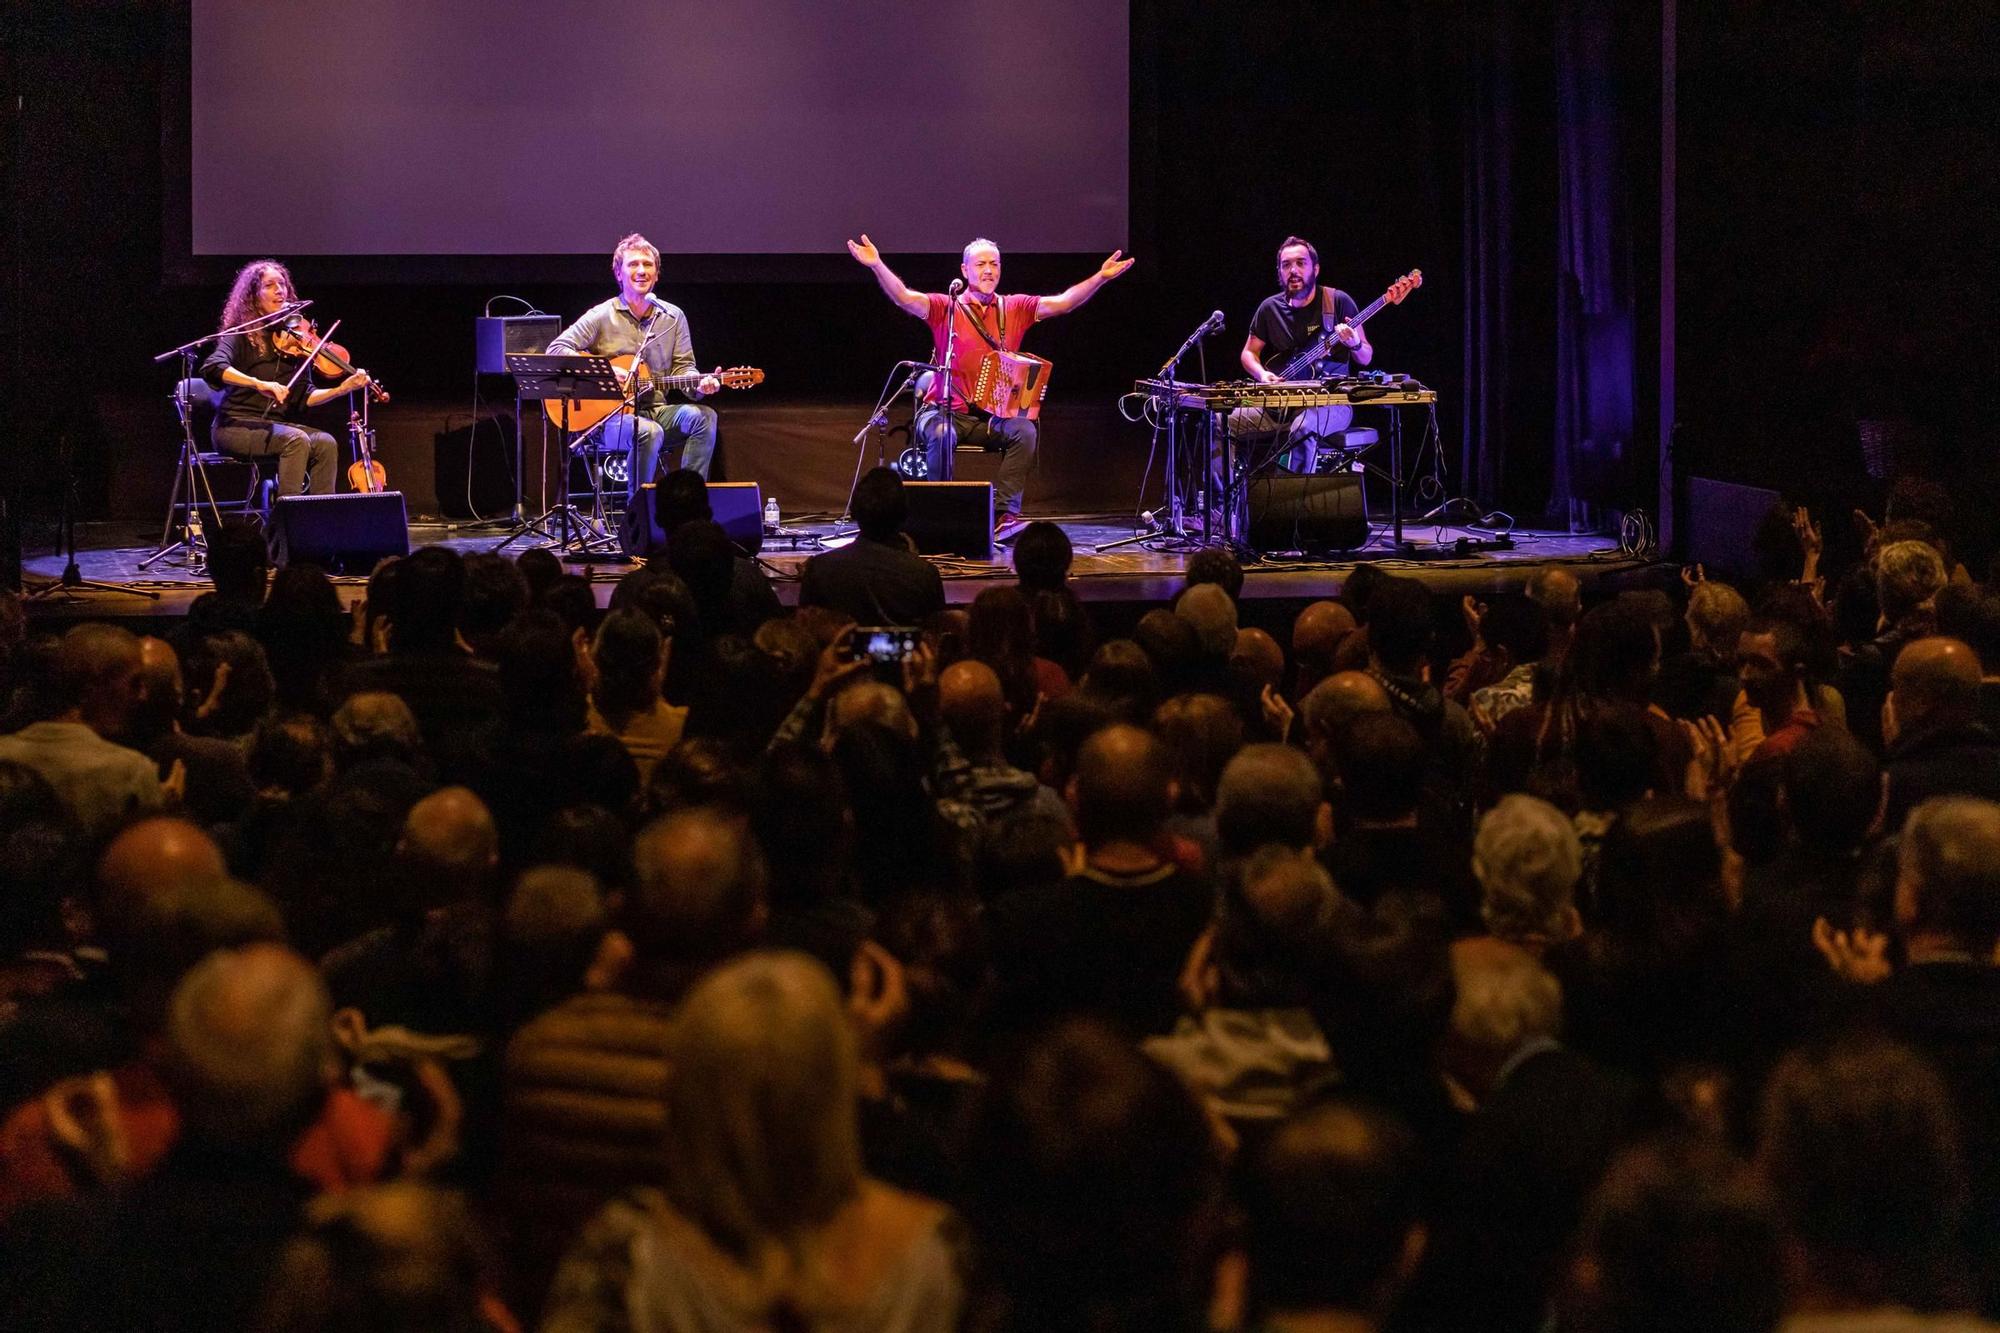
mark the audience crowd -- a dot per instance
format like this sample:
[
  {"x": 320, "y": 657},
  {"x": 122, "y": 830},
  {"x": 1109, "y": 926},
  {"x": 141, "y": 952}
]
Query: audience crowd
[{"x": 1582, "y": 959}]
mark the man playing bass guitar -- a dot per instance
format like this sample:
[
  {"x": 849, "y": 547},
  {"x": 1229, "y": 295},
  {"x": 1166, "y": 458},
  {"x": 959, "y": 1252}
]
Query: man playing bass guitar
[
  {"x": 621, "y": 326},
  {"x": 1286, "y": 324}
]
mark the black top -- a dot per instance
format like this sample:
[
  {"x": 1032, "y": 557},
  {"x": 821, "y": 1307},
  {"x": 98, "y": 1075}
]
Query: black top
[
  {"x": 1100, "y": 943},
  {"x": 1285, "y": 329},
  {"x": 874, "y": 582},
  {"x": 241, "y": 402}
]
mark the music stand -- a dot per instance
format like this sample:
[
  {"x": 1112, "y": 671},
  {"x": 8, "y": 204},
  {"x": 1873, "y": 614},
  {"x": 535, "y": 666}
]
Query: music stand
[{"x": 538, "y": 376}]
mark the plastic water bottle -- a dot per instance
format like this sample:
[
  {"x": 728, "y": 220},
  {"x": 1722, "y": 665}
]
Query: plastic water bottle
[{"x": 771, "y": 514}]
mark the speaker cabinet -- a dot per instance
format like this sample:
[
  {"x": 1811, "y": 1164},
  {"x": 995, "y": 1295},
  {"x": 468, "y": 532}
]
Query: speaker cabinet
[
  {"x": 738, "y": 506},
  {"x": 1315, "y": 513},
  {"x": 494, "y": 337},
  {"x": 343, "y": 534},
  {"x": 951, "y": 517},
  {"x": 1721, "y": 525},
  {"x": 474, "y": 468}
]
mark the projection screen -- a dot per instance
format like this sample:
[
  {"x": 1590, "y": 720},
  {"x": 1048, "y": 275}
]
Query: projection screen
[{"x": 744, "y": 127}]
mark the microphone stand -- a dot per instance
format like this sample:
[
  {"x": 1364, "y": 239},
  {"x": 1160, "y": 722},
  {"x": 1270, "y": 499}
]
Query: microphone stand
[
  {"x": 628, "y": 409},
  {"x": 950, "y": 360},
  {"x": 878, "y": 421},
  {"x": 72, "y": 577},
  {"x": 1175, "y": 526}
]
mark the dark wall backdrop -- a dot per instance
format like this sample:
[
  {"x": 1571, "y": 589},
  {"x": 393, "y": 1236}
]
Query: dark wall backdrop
[
  {"x": 1840, "y": 177},
  {"x": 1836, "y": 180}
]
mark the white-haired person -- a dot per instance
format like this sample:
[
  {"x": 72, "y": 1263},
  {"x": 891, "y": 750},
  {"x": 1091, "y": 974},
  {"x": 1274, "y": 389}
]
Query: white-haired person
[{"x": 1528, "y": 859}]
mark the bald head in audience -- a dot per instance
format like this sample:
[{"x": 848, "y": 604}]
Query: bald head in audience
[
  {"x": 157, "y": 854},
  {"x": 1331, "y": 705},
  {"x": 1123, "y": 786},
  {"x": 973, "y": 705},
  {"x": 1935, "y": 682},
  {"x": 450, "y": 841},
  {"x": 1316, "y": 638},
  {"x": 871, "y": 701},
  {"x": 156, "y": 709},
  {"x": 1257, "y": 659}
]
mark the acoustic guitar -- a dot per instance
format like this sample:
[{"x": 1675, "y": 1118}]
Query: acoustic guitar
[{"x": 587, "y": 412}]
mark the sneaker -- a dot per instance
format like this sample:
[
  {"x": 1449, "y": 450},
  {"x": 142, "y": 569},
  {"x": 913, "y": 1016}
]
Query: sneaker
[{"x": 1005, "y": 523}]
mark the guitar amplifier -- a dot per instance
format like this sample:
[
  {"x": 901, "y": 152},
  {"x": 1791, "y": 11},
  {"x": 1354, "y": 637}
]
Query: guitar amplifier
[{"x": 493, "y": 337}]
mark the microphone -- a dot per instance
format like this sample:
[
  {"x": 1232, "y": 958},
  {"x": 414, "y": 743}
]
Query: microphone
[
  {"x": 1214, "y": 324},
  {"x": 957, "y": 286}
]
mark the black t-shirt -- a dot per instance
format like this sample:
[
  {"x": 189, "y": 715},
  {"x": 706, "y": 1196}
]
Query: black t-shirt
[{"x": 1284, "y": 329}]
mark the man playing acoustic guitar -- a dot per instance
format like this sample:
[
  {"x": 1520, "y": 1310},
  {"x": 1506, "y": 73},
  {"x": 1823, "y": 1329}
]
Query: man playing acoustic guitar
[
  {"x": 620, "y": 327},
  {"x": 982, "y": 321}
]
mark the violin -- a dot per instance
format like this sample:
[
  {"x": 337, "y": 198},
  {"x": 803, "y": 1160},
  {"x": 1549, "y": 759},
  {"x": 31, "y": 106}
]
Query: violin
[
  {"x": 295, "y": 338},
  {"x": 365, "y": 473}
]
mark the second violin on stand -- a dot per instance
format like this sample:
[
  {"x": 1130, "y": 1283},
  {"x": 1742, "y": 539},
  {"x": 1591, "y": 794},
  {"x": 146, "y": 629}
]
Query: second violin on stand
[{"x": 299, "y": 338}]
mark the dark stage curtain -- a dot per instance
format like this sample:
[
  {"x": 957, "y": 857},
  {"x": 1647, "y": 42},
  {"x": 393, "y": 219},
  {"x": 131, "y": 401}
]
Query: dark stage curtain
[{"x": 1549, "y": 348}]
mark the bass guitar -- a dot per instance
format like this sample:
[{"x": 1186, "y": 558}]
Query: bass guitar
[
  {"x": 1301, "y": 364},
  {"x": 585, "y": 413}
]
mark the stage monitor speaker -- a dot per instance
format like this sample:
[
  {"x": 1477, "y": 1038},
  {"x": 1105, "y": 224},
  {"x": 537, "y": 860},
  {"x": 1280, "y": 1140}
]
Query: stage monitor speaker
[
  {"x": 343, "y": 534},
  {"x": 473, "y": 469},
  {"x": 494, "y": 337},
  {"x": 1317, "y": 513},
  {"x": 738, "y": 506},
  {"x": 951, "y": 517},
  {"x": 1721, "y": 525}
]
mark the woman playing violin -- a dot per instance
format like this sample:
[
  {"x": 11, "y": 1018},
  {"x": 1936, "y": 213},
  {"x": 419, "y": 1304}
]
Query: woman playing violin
[{"x": 255, "y": 369}]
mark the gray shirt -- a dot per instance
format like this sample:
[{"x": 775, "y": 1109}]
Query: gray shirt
[
  {"x": 100, "y": 782},
  {"x": 610, "y": 328}
]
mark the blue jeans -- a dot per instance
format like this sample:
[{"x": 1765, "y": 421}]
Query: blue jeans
[{"x": 686, "y": 428}]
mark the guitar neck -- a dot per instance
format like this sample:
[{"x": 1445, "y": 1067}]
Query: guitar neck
[
  {"x": 1327, "y": 341},
  {"x": 687, "y": 381}
]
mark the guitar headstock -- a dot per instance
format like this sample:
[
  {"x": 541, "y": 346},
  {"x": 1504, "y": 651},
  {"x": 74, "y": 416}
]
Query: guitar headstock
[
  {"x": 1404, "y": 285},
  {"x": 740, "y": 377}
]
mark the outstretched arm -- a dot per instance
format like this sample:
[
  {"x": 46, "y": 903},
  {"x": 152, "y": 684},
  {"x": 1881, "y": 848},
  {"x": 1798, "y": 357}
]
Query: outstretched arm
[
  {"x": 892, "y": 286},
  {"x": 1049, "y": 306}
]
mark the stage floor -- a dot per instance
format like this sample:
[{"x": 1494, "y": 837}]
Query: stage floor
[{"x": 110, "y": 553}]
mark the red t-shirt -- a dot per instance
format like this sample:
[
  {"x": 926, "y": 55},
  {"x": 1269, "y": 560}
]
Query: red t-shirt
[{"x": 1005, "y": 321}]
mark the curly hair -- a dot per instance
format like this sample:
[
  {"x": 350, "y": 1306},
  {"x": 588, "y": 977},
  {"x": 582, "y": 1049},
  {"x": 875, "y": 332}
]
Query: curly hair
[{"x": 242, "y": 302}]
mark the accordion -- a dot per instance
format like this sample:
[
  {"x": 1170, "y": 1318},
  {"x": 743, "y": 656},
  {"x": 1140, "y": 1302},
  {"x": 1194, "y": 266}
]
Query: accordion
[{"x": 1010, "y": 384}]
